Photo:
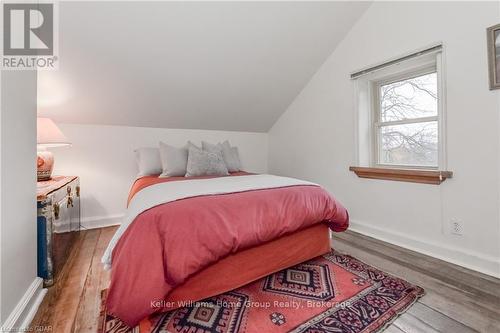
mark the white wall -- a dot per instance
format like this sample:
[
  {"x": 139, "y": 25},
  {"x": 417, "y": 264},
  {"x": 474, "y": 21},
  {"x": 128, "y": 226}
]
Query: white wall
[
  {"x": 314, "y": 138},
  {"x": 20, "y": 289},
  {"x": 103, "y": 158}
]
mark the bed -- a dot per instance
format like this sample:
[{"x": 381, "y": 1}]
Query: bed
[{"x": 186, "y": 239}]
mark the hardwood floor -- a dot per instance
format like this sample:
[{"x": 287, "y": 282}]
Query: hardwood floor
[
  {"x": 73, "y": 303},
  {"x": 457, "y": 300}
]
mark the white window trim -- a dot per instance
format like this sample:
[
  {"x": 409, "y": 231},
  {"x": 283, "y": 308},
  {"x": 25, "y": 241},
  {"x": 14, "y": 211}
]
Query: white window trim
[
  {"x": 367, "y": 110},
  {"x": 441, "y": 74}
]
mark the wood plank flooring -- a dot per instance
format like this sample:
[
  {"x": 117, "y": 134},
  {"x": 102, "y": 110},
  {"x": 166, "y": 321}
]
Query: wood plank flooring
[
  {"x": 457, "y": 300},
  {"x": 73, "y": 303}
]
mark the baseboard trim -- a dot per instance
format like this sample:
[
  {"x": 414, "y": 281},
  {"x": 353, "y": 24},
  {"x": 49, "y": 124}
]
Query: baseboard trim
[
  {"x": 24, "y": 312},
  {"x": 472, "y": 260},
  {"x": 95, "y": 222}
]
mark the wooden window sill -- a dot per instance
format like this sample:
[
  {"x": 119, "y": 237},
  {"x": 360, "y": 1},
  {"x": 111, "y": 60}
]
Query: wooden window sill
[{"x": 403, "y": 175}]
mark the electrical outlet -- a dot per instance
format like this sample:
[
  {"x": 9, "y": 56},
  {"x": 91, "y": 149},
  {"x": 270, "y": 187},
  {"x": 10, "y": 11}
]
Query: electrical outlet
[{"x": 456, "y": 227}]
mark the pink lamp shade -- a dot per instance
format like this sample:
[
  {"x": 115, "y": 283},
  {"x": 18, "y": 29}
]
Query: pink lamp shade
[{"x": 47, "y": 135}]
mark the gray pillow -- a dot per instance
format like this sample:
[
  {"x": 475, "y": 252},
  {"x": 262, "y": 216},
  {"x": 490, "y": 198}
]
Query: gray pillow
[
  {"x": 204, "y": 163},
  {"x": 173, "y": 160},
  {"x": 190, "y": 144},
  {"x": 229, "y": 154},
  {"x": 231, "y": 157},
  {"x": 206, "y": 146}
]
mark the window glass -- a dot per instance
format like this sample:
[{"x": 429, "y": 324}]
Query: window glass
[
  {"x": 409, "y": 99},
  {"x": 414, "y": 144}
]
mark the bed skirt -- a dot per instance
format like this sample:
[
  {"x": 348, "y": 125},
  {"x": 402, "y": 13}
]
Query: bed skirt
[{"x": 252, "y": 264}]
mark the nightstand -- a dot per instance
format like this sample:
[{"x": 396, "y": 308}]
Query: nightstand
[{"x": 58, "y": 224}]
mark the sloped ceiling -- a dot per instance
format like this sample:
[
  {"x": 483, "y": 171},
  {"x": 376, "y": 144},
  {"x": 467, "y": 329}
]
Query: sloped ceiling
[{"x": 203, "y": 65}]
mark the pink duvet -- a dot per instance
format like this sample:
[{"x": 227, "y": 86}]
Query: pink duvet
[{"x": 168, "y": 243}]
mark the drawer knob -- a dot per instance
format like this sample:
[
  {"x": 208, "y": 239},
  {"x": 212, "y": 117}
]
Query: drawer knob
[{"x": 56, "y": 210}]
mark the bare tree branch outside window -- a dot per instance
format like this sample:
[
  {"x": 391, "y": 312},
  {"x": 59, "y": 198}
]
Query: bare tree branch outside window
[{"x": 414, "y": 102}]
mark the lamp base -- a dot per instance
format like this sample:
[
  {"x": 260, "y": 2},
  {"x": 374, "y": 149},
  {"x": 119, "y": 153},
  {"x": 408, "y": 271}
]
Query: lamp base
[{"x": 44, "y": 164}]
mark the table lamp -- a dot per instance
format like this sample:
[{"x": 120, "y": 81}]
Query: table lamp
[{"x": 47, "y": 135}]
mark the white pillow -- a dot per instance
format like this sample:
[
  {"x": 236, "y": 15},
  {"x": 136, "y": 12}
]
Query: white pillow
[
  {"x": 148, "y": 161},
  {"x": 205, "y": 163},
  {"x": 173, "y": 160},
  {"x": 231, "y": 157}
]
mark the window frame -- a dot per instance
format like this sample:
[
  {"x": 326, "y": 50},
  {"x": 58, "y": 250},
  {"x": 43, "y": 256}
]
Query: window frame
[
  {"x": 377, "y": 123},
  {"x": 364, "y": 116}
]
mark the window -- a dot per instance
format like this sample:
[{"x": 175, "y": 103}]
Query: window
[
  {"x": 400, "y": 119},
  {"x": 406, "y": 121}
]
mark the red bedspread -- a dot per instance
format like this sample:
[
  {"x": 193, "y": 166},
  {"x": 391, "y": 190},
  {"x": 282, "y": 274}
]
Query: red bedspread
[{"x": 168, "y": 243}]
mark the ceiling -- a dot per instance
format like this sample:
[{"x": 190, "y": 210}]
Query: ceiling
[{"x": 204, "y": 65}]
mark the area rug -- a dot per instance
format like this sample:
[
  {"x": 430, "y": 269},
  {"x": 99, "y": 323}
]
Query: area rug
[{"x": 331, "y": 293}]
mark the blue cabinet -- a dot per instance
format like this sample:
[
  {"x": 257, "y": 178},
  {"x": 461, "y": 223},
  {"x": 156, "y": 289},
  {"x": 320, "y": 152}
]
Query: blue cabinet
[{"x": 58, "y": 224}]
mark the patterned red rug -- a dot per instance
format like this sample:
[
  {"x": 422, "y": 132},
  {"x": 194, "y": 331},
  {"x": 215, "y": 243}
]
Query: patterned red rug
[{"x": 331, "y": 293}]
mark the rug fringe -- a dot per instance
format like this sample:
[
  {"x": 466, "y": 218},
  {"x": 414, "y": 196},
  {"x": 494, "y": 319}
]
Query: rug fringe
[
  {"x": 416, "y": 296},
  {"x": 418, "y": 293}
]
